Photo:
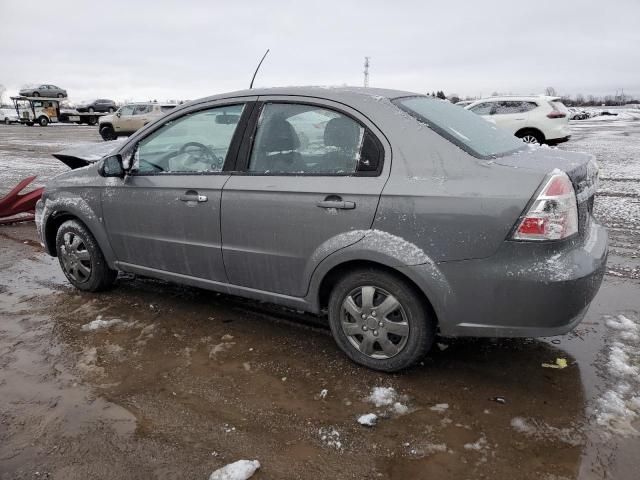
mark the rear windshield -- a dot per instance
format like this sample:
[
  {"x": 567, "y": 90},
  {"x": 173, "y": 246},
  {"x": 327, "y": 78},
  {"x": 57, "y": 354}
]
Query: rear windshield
[
  {"x": 465, "y": 129},
  {"x": 558, "y": 105}
]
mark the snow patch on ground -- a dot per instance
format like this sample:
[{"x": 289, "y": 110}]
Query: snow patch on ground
[
  {"x": 425, "y": 449},
  {"x": 388, "y": 397},
  {"x": 540, "y": 430},
  {"x": 330, "y": 437},
  {"x": 382, "y": 396},
  {"x": 618, "y": 408},
  {"x": 100, "y": 324},
  {"x": 240, "y": 470},
  {"x": 368, "y": 419},
  {"x": 478, "y": 445},
  {"x": 440, "y": 407}
]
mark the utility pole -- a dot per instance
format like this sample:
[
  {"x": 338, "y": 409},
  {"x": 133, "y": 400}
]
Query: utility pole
[{"x": 366, "y": 71}]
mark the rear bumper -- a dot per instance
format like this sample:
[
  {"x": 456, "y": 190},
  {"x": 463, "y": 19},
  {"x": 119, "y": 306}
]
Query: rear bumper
[
  {"x": 556, "y": 141},
  {"x": 526, "y": 289}
]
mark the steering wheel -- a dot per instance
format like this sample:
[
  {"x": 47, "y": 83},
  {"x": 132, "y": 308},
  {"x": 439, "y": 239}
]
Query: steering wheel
[{"x": 205, "y": 154}]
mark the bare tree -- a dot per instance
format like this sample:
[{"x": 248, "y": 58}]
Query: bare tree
[{"x": 550, "y": 91}]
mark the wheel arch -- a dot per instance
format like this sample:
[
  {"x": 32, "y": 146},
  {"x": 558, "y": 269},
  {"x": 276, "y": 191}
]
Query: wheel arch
[
  {"x": 333, "y": 275},
  {"x": 534, "y": 130},
  {"x": 434, "y": 297},
  {"x": 53, "y": 221}
]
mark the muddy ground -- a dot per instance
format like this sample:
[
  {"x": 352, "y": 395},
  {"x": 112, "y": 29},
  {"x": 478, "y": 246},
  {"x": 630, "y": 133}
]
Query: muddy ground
[{"x": 176, "y": 382}]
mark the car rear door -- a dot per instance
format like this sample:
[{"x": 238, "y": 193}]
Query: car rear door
[
  {"x": 511, "y": 115},
  {"x": 309, "y": 171},
  {"x": 165, "y": 214}
]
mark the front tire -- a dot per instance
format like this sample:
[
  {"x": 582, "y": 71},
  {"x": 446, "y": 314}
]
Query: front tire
[
  {"x": 380, "y": 320},
  {"x": 35, "y": 94},
  {"x": 43, "y": 121},
  {"x": 81, "y": 259},
  {"x": 108, "y": 133}
]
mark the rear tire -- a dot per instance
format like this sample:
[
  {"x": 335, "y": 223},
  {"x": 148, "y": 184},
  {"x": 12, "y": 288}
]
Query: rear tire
[
  {"x": 530, "y": 136},
  {"x": 81, "y": 259},
  {"x": 7, "y": 121},
  {"x": 108, "y": 133},
  {"x": 91, "y": 110},
  {"x": 398, "y": 328},
  {"x": 60, "y": 95}
]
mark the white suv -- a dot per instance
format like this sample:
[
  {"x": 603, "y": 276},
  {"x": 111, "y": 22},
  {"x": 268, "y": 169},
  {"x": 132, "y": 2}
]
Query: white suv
[{"x": 534, "y": 119}]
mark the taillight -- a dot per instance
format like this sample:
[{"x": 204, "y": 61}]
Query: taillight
[
  {"x": 554, "y": 214},
  {"x": 556, "y": 113}
]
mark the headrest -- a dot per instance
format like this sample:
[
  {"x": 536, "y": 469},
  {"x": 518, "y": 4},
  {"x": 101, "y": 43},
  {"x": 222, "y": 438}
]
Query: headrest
[
  {"x": 342, "y": 132},
  {"x": 279, "y": 136}
]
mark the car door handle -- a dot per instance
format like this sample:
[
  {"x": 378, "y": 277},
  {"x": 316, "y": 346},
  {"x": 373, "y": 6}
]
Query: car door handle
[
  {"x": 337, "y": 204},
  {"x": 193, "y": 197}
]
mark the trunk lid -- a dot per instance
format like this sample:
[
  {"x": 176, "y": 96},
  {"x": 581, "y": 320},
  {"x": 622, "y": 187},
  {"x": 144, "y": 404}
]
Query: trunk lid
[{"x": 581, "y": 168}]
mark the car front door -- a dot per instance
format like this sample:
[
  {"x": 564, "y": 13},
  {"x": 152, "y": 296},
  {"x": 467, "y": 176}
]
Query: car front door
[
  {"x": 315, "y": 171},
  {"x": 140, "y": 116},
  {"x": 165, "y": 214},
  {"x": 124, "y": 119}
]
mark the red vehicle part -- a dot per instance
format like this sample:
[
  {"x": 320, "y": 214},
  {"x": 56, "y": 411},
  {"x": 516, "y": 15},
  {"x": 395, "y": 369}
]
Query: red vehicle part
[{"x": 14, "y": 203}]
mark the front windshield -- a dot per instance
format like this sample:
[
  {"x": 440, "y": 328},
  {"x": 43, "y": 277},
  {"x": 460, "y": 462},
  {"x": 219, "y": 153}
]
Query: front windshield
[{"x": 467, "y": 130}]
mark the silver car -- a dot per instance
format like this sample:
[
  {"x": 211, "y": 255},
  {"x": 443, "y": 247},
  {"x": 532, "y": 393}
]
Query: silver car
[
  {"x": 400, "y": 216},
  {"x": 44, "y": 90}
]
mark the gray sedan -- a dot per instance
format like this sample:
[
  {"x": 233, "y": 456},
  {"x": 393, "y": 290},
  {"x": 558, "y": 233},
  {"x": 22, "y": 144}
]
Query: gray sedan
[
  {"x": 400, "y": 216},
  {"x": 44, "y": 90}
]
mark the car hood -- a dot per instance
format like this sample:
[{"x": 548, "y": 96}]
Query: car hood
[
  {"x": 581, "y": 168},
  {"x": 106, "y": 119},
  {"x": 83, "y": 155}
]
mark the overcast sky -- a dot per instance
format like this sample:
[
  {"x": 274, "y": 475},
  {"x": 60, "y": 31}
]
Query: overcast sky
[{"x": 140, "y": 50}]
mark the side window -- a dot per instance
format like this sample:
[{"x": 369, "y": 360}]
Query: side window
[
  {"x": 508, "y": 107},
  {"x": 126, "y": 110},
  {"x": 299, "y": 139},
  {"x": 482, "y": 108},
  {"x": 142, "y": 109},
  {"x": 196, "y": 142},
  {"x": 528, "y": 106}
]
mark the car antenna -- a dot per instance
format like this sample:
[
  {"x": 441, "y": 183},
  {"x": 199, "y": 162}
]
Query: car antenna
[{"x": 258, "y": 68}]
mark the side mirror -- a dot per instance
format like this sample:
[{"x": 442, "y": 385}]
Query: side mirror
[
  {"x": 118, "y": 114},
  {"x": 112, "y": 167}
]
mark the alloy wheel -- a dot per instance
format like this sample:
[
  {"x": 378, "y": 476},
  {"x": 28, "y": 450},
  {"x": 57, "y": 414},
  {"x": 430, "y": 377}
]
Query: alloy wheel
[
  {"x": 529, "y": 139},
  {"x": 75, "y": 257},
  {"x": 374, "y": 322}
]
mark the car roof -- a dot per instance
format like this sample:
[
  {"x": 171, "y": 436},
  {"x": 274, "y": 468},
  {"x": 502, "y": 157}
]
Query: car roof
[
  {"x": 516, "y": 97},
  {"x": 162, "y": 104},
  {"x": 350, "y": 95}
]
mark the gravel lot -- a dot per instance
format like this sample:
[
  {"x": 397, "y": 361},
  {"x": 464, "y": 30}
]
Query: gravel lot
[{"x": 175, "y": 382}]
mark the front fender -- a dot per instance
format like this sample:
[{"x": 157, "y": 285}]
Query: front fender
[{"x": 82, "y": 206}]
